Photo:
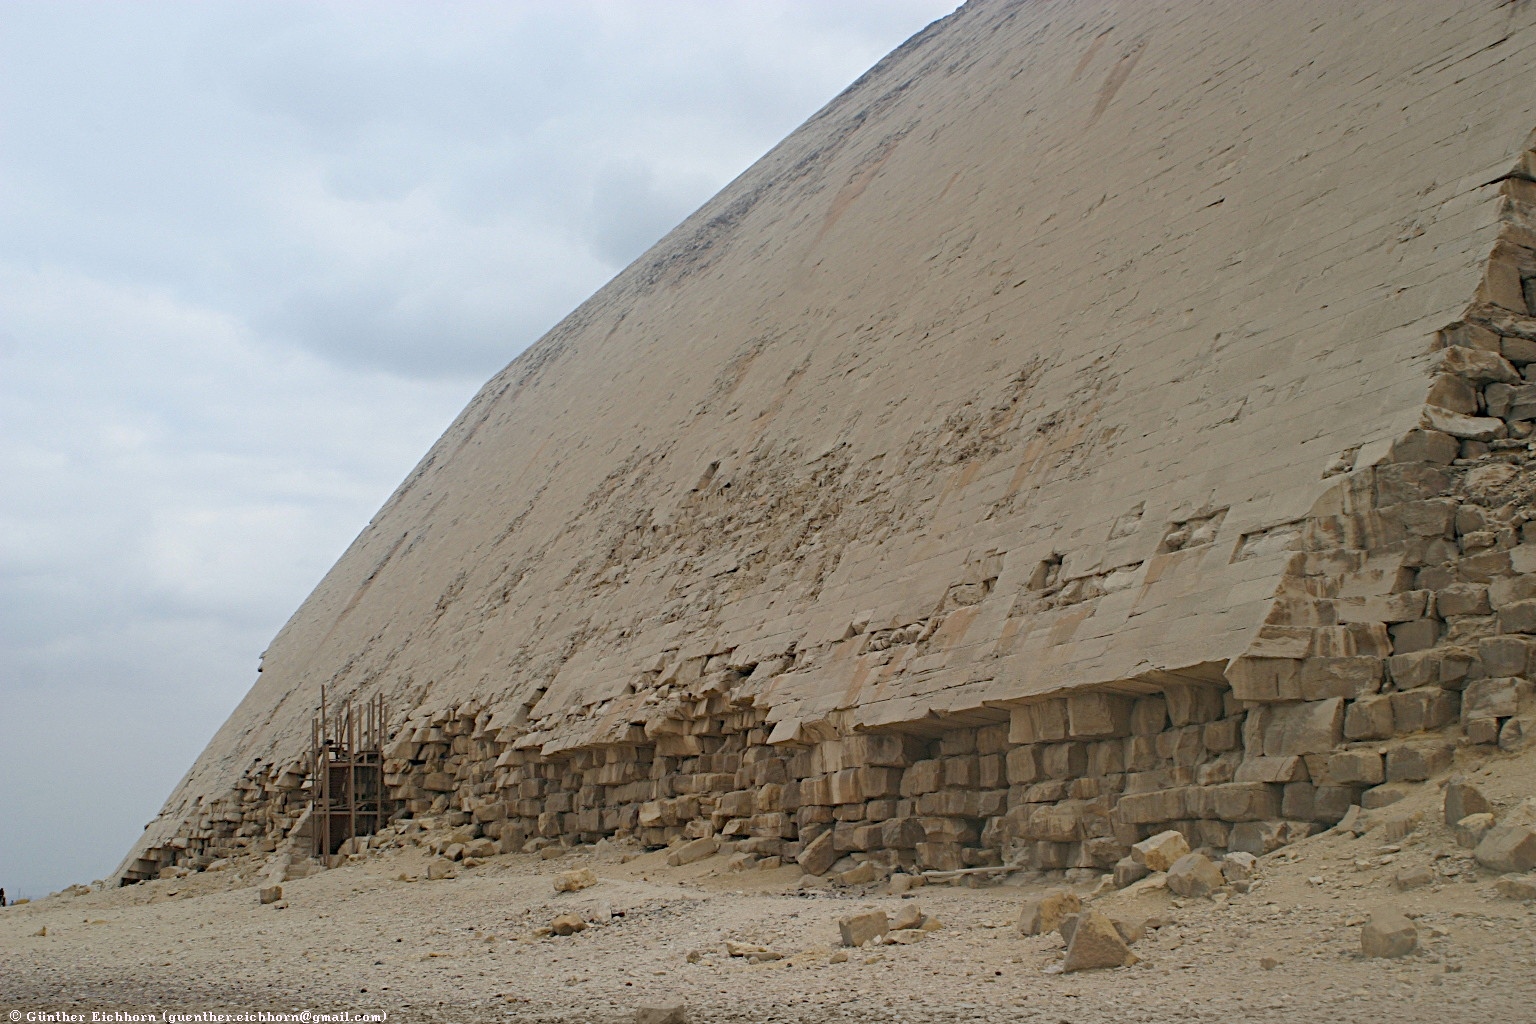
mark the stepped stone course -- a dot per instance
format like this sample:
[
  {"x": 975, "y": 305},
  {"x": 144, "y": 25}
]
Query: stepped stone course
[{"x": 1090, "y": 425}]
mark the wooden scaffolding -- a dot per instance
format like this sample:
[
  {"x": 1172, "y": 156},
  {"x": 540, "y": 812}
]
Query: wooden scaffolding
[{"x": 348, "y": 797}]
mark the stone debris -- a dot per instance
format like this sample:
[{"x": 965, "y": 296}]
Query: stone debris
[
  {"x": 1516, "y": 887},
  {"x": 1239, "y": 867},
  {"x": 1194, "y": 875},
  {"x": 1510, "y": 845},
  {"x": 1462, "y": 798},
  {"x": 1095, "y": 943},
  {"x": 819, "y": 855},
  {"x": 480, "y": 849},
  {"x": 857, "y": 929},
  {"x": 1158, "y": 852},
  {"x": 270, "y": 894},
  {"x": 751, "y": 953},
  {"x": 1414, "y": 878},
  {"x": 441, "y": 868},
  {"x": 1469, "y": 831},
  {"x": 1044, "y": 915},
  {"x": 567, "y": 924},
  {"x": 696, "y": 850},
  {"x": 1388, "y": 934},
  {"x": 676, "y": 1013},
  {"x": 1129, "y": 871},
  {"x": 575, "y": 880}
]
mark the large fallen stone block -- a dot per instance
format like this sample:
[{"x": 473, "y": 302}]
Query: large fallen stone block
[
  {"x": 1095, "y": 944},
  {"x": 1510, "y": 845},
  {"x": 1194, "y": 875},
  {"x": 575, "y": 881},
  {"x": 1388, "y": 934},
  {"x": 1158, "y": 853},
  {"x": 857, "y": 929},
  {"x": 696, "y": 850},
  {"x": 1043, "y": 915}
]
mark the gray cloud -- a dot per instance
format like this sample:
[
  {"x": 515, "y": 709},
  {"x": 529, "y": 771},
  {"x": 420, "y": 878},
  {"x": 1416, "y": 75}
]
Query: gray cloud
[{"x": 253, "y": 258}]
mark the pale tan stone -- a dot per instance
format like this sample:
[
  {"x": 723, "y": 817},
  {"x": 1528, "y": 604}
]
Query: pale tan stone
[{"x": 858, "y": 929}]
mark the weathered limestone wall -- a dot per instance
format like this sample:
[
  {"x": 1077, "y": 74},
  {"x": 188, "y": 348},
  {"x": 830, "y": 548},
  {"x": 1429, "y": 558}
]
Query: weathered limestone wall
[{"x": 1023, "y": 455}]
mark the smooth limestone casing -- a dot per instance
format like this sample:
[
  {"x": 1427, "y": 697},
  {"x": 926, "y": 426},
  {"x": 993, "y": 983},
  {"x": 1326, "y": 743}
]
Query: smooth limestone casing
[{"x": 1012, "y": 371}]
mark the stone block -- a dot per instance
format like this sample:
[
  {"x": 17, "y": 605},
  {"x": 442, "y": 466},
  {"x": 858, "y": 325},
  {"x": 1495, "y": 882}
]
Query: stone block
[
  {"x": 1044, "y": 915},
  {"x": 1221, "y": 736},
  {"x": 1093, "y": 716},
  {"x": 1149, "y": 716},
  {"x": 890, "y": 750},
  {"x": 1128, "y": 871},
  {"x": 1482, "y": 730},
  {"x": 1470, "y": 830},
  {"x": 1321, "y": 678},
  {"x": 269, "y": 894},
  {"x": 1427, "y": 445},
  {"x": 1388, "y": 934},
  {"x": 1095, "y": 944},
  {"x": 1332, "y": 803},
  {"x": 1518, "y": 616},
  {"x": 1261, "y": 837},
  {"x": 1417, "y": 635},
  {"x": 1416, "y": 762},
  {"x": 1421, "y": 668},
  {"x": 1506, "y": 591},
  {"x": 1463, "y": 599},
  {"x": 1194, "y": 875},
  {"x": 1302, "y": 728},
  {"x": 901, "y": 833},
  {"x": 878, "y": 782},
  {"x": 1157, "y": 853},
  {"x": 1265, "y": 679},
  {"x": 1056, "y": 823},
  {"x": 1462, "y": 797},
  {"x": 1193, "y": 704},
  {"x": 1272, "y": 769},
  {"x": 1064, "y": 760},
  {"x": 1245, "y": 801},
  {"x": 1298, "y": 800},
  {"x": 693, "y": 851},
  {"x": 1421, "y": 710},
  {"x": 575, "y": 881},
  {"x": 1157, "y": 806},
  {"x": 1353, "y": 767},
  {"x": 858, "y": 929},
  {"x": 1490, "y": 698},
  {"x": 1384, "y": 795},
  {"x": 961, "y": 770},
  {"x": 818, "y": 856},
  {"x": 941, "y": 856},
  {"x": 1023, "y": 765},
  {"x": 1369, "y": 718},
  {"x": 1510, "y": 845},
  {"x": 922, "y": 777},
  {"x": 1049, "y": 718},
  {"x": 567, "y": 924},
  {"x": 1505, "y": 656}
]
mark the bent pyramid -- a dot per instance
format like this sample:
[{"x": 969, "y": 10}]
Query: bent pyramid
[{"x": 1103, "y": 417}]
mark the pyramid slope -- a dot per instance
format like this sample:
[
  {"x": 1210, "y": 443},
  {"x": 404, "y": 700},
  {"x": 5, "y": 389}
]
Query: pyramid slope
[{"x": 1015, "y": 370}]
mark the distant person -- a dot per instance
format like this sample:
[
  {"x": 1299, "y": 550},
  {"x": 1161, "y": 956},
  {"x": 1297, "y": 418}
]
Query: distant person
[{"x": 2, "y": 897}]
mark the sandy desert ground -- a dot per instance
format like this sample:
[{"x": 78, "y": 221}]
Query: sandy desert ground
[{"x": 358, "y": 938}]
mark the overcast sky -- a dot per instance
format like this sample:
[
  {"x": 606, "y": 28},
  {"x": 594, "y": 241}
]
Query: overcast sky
[{"x": 253, "y": 259}]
